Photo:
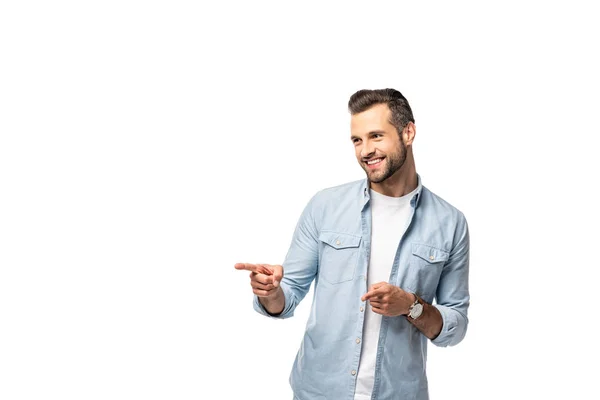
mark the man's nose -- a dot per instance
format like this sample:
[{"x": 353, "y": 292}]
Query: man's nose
[{"x": 367, "y": 150}]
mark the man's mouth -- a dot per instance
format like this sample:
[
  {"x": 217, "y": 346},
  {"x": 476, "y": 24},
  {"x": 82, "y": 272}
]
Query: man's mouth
[{"x": 374, "y": 162}]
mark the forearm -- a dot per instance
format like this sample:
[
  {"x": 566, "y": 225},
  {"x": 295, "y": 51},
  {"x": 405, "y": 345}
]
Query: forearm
[
  {"x": 430, "y": 322},
  {"x": 275, "y": 304}
]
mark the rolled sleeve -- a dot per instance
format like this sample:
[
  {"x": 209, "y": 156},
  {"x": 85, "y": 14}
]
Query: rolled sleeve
[
  {"x": 300, "y": 265},
  {"x": 452, "y": 295},
  {"x": 454, "y": 327}
]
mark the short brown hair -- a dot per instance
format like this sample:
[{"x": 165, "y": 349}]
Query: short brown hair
[{"x": 397, "y": 103}]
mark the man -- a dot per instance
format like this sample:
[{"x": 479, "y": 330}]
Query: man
[{"x": 380, "y": 250}]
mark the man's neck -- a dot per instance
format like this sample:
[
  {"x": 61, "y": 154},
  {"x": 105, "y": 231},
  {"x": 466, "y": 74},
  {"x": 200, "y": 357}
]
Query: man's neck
[{"x": 402, "y": 182}]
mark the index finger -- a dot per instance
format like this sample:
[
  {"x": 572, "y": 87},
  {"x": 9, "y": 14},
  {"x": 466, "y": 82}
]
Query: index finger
[
  {"x": 372, "y": 293},
  {"x": 258, "y": 268}
]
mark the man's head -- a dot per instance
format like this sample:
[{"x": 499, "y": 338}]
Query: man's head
[{"x": 382, "y": 127}]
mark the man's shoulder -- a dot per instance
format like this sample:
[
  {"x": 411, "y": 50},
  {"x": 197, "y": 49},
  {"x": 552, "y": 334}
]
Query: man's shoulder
[
  {"x": 339, "y": 194},
  {"x": 436, "y": 202},
  {"x": 343, "y": 188}
]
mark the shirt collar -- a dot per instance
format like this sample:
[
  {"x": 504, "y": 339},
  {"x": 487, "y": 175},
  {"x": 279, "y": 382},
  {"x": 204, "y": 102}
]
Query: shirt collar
[{"x": 414, "y": 202}]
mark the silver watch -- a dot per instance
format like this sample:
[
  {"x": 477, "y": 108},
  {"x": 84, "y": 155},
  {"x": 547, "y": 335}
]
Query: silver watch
[{"x": 416, "y": 309}]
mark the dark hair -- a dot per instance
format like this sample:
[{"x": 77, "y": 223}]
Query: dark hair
[{"x": 397, "y": 103}]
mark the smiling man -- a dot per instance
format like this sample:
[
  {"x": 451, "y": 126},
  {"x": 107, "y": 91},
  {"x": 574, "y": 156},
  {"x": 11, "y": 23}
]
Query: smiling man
[{"x": 390, "y": 262}]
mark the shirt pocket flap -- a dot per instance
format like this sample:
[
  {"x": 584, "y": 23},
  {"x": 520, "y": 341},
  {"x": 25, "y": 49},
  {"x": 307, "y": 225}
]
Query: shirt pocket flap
[
  {"x": 429, "y": 253},
  {"x": 339, "y": 240}
]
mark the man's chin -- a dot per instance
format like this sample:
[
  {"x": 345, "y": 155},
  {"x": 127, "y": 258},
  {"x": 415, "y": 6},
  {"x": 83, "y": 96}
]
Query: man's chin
[{"x": 376, "y": 178}]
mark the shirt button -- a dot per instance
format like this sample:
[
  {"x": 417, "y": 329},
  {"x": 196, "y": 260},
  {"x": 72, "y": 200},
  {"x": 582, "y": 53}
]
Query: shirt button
[
  {"x": 357, "y": 341},
  {"x": 337, "y": 242},
  {"x": 362, "y": 309},
  {"x": 353, "y": 372},
  {"x": 431, "y": 258}
]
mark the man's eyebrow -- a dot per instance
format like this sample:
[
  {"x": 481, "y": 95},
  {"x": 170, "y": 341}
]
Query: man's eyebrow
[{"x": 370, "y": 133}]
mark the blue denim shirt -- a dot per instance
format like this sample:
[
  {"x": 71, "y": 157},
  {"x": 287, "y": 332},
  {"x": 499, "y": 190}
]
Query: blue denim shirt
[{"x": 331, "y": 245}]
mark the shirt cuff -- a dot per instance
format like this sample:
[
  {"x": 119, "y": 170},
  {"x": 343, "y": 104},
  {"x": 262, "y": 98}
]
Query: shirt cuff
[{"x": 447, "y": 336}]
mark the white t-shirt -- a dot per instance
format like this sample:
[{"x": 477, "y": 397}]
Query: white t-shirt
[{"x": 390, "y": 217}]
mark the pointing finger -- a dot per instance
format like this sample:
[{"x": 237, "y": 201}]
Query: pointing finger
[
  {"x": 246, "y": 266},
  {"x": 374, "y": 293},
  {"x": 367, "y": 296},
  {"x": 258, "y": 268}
]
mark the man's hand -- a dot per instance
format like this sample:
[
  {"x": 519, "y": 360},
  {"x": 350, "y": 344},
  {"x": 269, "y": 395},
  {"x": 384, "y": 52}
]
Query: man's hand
[
  {"x": 388, "y": 300},
  {"x": 264, "y": 278}
]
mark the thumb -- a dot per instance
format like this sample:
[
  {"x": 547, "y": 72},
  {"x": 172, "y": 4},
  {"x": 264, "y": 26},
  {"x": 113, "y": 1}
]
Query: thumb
[{"x": 277, "y": 274}]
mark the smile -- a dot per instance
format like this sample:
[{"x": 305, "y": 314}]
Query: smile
[{"x": 374, "y": 162}]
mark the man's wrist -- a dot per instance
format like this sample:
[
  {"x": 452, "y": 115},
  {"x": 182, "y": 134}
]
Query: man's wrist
[
  {"x": 416, "y": 308},
  {"x": 273, "y": 304}
]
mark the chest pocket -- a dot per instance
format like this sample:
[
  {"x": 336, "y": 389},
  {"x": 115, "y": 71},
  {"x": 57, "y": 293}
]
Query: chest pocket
[
  {"x": 339, "y": 256},
  {"x": 426, "y": 264}
]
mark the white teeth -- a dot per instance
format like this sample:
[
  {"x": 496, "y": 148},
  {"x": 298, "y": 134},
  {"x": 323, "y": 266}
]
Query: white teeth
[{"x": 374, "y": 161}]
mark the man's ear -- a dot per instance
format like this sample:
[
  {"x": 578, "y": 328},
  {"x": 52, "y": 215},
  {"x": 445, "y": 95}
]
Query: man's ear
[{"x": 408, "y": 133}]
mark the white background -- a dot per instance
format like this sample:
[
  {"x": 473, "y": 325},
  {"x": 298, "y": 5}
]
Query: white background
[{"x": 146, "y": 147}]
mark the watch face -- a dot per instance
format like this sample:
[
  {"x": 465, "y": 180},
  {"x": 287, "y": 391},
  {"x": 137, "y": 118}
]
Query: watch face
[{"x": 416, "y": 311}]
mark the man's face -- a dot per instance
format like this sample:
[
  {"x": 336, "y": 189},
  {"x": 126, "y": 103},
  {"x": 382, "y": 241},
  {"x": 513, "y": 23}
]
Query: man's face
[{"x": 379, "y": 149}]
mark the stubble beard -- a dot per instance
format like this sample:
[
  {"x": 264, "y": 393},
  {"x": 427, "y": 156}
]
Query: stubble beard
[{"x": 393, "y": 162}]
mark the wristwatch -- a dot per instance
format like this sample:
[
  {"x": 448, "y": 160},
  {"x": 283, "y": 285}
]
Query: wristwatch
[{"x": 416, "y": 308}]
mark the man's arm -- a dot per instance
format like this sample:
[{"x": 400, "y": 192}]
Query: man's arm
[
  {"x": 445, "y": 323},
  {"x": 452, "y": 294},
  {"x": 430, "y": 322},
  {"x": 298, "y": 270}
]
